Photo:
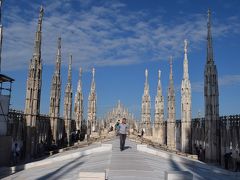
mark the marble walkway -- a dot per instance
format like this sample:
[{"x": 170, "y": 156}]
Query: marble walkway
[{"x": 129, "y": 164}]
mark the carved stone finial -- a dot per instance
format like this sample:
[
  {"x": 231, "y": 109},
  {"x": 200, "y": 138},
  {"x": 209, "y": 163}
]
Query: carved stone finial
[
  {"x": 70, "y": 69},
  {"x": 93, "y": 72},
  {"x": 171, "y": 60},
  {"x": 159, "y": 74},
  {"x": 70, "y": 60},
  {"x": 171, "y": 65},
  {"x": 59, "y": 42},
  {"x": 40, "y": 15},
  {"x": 185, "y": 46},
  {"x": 209, "y": 14},
  {"x": 80, "y": 72}
]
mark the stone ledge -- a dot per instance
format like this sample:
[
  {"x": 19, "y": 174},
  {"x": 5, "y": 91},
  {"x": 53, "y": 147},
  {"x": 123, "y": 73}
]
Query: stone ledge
[
  {"x": 92, "y": 176},
  {"x": 103, "y": 148},
  {"x": 178, "y": 175},
  {"x": 185, "y": 160}
]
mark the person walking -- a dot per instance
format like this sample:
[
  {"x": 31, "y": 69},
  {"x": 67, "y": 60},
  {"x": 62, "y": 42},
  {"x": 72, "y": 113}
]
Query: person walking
[{"x": 123, "y": 133}]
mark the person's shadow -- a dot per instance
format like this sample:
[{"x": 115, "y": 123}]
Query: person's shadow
[{"x": 127, "y": 147}]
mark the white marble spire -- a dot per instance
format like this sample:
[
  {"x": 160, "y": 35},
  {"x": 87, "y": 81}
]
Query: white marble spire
[
  {"x": 55, "y": 97},
  {"x": 34, "y": 81},
  {"x": 146, "y": 85},
  {"x": 92, "y": 101},
  {"x": 171, "y": 139},
  {"x": 159, "y": 112},
  {"x": 146, "y": 107},
  {"x": 67, "y": 113},
  {"x": 78, "y": 105},
  {"x": 186, "y": 110},
  {"x": 33, "y": 92}
]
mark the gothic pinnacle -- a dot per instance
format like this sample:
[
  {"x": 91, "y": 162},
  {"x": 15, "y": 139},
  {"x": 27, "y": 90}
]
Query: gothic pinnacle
[
  {"x": 159, "y": 75},
  {"x": 146, "y": 74},
  {"x": 159, "y": 88},
  {"x": 38, "y": 38},
  {"x": 70, "y": 69},
  {"x": 93, "y": 81},
  {"x": 59, "y": 46},
  {"x": 185, "y": 63},
  {"x": 40, "y": 18},
  {"x": 93, "y": 72},
  {"x": 171, "y": 71},
  {"x": 209, "y": 39},
  {"x": 159, "y": 81},
  {"x": 80, "y": 80},
  {"x": 58, "y": 58},
  {"x": 146, "y": 87},
  {"x": 80, "y": 73},
  {"x": 185, "y": 48}
]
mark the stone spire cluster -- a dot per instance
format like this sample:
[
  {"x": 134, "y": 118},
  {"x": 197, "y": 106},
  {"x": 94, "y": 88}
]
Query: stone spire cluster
[
  {"x": 33, "y": 92},
  {"x": 146, "y": 107},
  {"x": 78, "y": 103},
  {"x": 159, "y": 112},
  {"x": 171, "y": 140},
  {"x": 34, "y": 132},
  {"x": 211, "y": 96},
  {"x": 186, "y": 116},
  {"x": 67, "y": 113},
  {"x": 92, "y": 100},
  {"x": 55, "y": 96}
]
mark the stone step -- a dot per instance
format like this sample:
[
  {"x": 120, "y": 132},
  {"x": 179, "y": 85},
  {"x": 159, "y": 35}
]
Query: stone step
[{"x": 133, "y": 174}]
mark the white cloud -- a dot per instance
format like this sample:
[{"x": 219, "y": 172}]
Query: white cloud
[
  {"x": 101, "y": 34},
  {"x": 228, "y": 80}
]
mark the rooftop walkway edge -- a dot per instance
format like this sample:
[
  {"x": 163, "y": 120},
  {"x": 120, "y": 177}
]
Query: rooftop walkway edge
[
  {"x": 102, "y": 148},
  {"x": 185, "y": 160}
]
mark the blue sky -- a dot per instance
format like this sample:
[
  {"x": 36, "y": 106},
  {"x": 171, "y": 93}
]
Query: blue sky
[{"x": 121, "y": 39}]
